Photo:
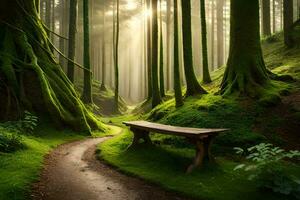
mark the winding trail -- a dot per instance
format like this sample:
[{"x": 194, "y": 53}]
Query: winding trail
[{"x": 72, "y": 172}]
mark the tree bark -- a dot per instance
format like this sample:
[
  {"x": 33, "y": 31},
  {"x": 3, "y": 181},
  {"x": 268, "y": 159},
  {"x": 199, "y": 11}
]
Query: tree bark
[
  {"x": 220, "y": 31},
  {"x": 116, "y": 104},
  {"x": 87, "y": 85},
  {"x": 156, "y": 98},
  {"x": 177, "y": 82},
  {"x": 288, "y": 18},
  {"x": 72, "y": 38},
  {"x": 266, "y": 18},
  {"x": 149, "y": 50},
  {"x": 206, "y": 75},
  {"x": 161, "y": 57},
  {"x": 103, "y": 87}
]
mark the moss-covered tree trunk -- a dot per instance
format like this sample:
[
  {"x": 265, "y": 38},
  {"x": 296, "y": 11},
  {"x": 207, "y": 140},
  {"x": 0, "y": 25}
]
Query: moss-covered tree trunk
[
  {"x": 193, "y": 86},
  {"x": 246, "y": 72},
  {"x": 156, "y": 98},
  {"x": 72, "y": 38},
  {"x": 30, "y": 78},
  {"x": 206, "y": 75},
  {"x": 87, "y": 82},
  {"x": 177, "y": 82}
]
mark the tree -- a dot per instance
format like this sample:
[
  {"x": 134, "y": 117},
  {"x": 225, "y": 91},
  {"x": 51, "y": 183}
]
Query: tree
[
  {"x": 168, "y": 42},
  {"x": 161, "y": 57},
  {"x": 220, "y": 31},
  {"x": 156, "y": 98},
  {"x": 246, "y": 72},
  {"x": 206, "y": 75},
  {"x": 116, "y": 104},
  {"x": 193, "y": 86},
  {"x": 30, "y": 78},
  {"x": 149, "y": 53},
  {"x": 103, "y": 87},
  {"x": 87, "y": 85},
  {"x": 288, "y": 18},
  {"x": 266, "y": 17},
  {"x": 177, "y": 83},
  {"x": 72, "y": 38}
]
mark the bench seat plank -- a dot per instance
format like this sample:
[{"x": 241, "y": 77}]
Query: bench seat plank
[{"x": 173, "y": 130}]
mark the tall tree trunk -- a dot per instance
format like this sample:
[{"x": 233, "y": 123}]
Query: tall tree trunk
[
  {"x": 212, "y": 10},
  {"x": 48, "y": 13},
  {"x": 87, "y": 85},
  {"x": 156, "y": 98},
  {"x": 288, "y": 11},
  {"x": 206, "y": 75},
  {"x": 103, "y": 87},
  {"x": 161, "y": 57},
  {"x": 72, "y": 38},
  {"x": 168, "y": 56},
  {"x": 193, "y": 86},
  {"x": 220, "y": 31},
  {"x": 266, "y": 17},
  {"x": 116, "y": 104},
  {"x": 177, "y": 82},
  {"x": 62, "y": 25},
  {"x": 149, "y": 50},
  {"x": 246, "y": 72},
  {"x": 30, "y": 74},
  {"x": 274, "y": 16}
]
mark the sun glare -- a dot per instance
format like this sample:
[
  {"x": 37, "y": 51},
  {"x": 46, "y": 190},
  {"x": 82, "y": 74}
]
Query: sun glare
[{"x": 131, "y": 5}]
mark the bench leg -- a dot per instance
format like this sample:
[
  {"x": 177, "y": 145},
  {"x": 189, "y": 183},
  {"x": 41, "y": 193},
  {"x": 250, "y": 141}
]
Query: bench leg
[
  {"x": 138, "y": 135},
  {"x": 203, "y": 152},
  {"x": 198, "y": 160},
  {"x": 207, "y": 148}
]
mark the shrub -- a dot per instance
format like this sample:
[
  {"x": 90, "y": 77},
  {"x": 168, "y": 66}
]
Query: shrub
[
  {"x": 267, "y": 167},
  {"x": 10, "y": 142}
]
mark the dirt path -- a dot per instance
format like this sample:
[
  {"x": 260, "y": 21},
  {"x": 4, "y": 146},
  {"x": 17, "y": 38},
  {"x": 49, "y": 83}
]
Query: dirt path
[{"x": 72, "y": 172}]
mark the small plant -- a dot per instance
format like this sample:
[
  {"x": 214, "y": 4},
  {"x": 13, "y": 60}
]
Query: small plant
[
  {"x": 30, "y": 122},
  {"x": 267, "y": 168},
  {"x": 10, "y": 142}
]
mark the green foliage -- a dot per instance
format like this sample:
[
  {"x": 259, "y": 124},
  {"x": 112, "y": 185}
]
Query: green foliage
[
  {"x": 10, "y": 141},
  {"x": 271, "y": 38},
  {"x": 266, "y": 167},
  {"x": 30, "y": 122}
]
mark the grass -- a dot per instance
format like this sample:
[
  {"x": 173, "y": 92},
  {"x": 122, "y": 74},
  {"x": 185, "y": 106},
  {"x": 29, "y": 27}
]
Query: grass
[
  {"x": 20, "y": 169},
  {"x": 164, "y": 165}
]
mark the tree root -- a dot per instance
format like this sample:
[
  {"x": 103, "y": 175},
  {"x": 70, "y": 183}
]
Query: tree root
[{"x": 58, "y": 99}]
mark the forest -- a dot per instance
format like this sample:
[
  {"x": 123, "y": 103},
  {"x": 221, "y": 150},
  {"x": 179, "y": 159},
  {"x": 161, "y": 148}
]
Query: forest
[{"x": 149, "y": 99}]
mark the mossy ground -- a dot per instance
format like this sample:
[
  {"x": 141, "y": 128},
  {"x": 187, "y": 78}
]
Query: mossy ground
[
  {"x": 250, "y": 121},
  {"x": 103, "y": 100}
]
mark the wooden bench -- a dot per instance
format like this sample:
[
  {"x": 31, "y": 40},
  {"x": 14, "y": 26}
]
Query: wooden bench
[{"x": 201, "y": 138}]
